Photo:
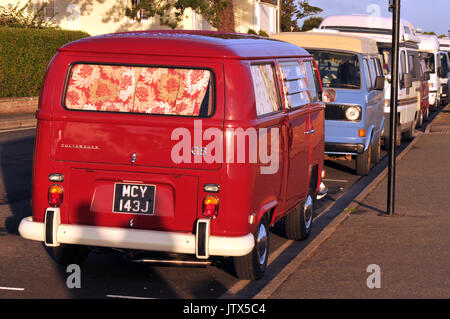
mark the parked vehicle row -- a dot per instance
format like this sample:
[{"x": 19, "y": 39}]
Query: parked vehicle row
[
  {"x": 380, "y": 29},
  {"x": 197, "y": 142}
]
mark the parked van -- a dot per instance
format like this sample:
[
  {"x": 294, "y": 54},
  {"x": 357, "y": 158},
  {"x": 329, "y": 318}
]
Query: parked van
[
  {"x": 429, "y": 49},
  {"x": 353, "y": 83},
  {"x": 380, "y": 29},
  {"x": 444, "y": 44},
  {"x": 424, "y": 92},
  {"x": 445, "y": 61},
  {"x": 178, "y": 142}
]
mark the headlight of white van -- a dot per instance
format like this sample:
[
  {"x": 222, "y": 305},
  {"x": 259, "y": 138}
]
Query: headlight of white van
[{"x": 353, "y": 113}]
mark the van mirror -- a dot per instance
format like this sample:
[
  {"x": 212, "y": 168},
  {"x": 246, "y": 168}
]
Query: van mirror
[
  {"x": 407, "y": 81},
  {"x": 426, "y": 76},
  {"x": 379, "y": 83}
]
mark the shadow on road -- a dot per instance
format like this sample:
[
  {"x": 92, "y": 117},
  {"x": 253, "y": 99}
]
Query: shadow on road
[{"x": 16, "y": 165}]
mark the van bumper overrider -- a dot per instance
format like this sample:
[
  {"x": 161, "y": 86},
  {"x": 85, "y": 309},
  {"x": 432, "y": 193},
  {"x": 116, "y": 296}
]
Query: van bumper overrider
[
  {"x": 53, "y": 234},
  {"x": 343, "y": 148}
]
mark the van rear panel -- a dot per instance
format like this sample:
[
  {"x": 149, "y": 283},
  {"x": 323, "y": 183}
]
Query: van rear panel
[
  {"x": 94, "y": 193},
  {"x": 112, "y": 136}
]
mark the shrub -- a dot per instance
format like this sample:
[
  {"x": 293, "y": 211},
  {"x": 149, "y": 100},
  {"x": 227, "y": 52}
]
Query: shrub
[
  {"x": 24, "y": 56},
  {"x": 263, "y": 33}
]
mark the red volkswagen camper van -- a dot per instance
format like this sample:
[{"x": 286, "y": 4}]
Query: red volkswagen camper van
[{"x": 183, "y": 142}]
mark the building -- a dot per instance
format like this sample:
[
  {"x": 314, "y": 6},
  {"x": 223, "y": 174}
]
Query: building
[{"x": 108, "y": 16}]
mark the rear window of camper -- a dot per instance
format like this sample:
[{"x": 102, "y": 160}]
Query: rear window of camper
[
  {"x": 338, "y": 70},
  {"x": 139, "y": 89}
]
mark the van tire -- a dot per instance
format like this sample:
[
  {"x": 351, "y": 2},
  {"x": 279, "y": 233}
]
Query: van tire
[
  {"x": 69, "y": 254},
  {"x": 253, "y": 265},
  {"x": 409, "y": 134},
  {"x": 420, "y": 119},
  {"x": 363, "y": 162},
  {"x": 298, "y": 222},
  {"x": 398, "y": 139},
  {"x": 426, "y": 116},
  {"x": 376, "y": 151}
]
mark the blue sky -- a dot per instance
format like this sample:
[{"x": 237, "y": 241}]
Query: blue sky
[{"x": 429, "y": 15}]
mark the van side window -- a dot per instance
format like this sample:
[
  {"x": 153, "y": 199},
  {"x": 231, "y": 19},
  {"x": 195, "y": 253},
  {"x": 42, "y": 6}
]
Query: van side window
[
  {"x": 373, "y": 72},
  {"x": 402, "y": 63},
  {"x": 367, "y": 74},
  {"x": 266, "y": 95},
  {"x": 444, "y": 63},
  {"x": 413, "y": 66},
  {"x": 135, "y": 89},
  {"x": 429, "y": 62},
  {"x": 294, "y": 81},
  {"x": 379, "y": 68},
  {"x": 312, "y": 80}
]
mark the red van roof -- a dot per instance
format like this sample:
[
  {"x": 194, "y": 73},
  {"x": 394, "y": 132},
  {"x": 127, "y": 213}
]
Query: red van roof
[{"x": 187, "y": 43}]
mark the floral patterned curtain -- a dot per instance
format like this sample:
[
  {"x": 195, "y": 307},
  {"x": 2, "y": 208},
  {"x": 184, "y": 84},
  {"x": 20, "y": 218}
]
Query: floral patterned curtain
[
  {"x": 137, "y": 89},
  {"x": 265, "y": 89}
]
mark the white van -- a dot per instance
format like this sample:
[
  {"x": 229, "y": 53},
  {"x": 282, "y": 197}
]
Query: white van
[
  {"x": 380, "y": 29},
  {"x": 445, "y": 62},
  {"x": 430, "y": 51}
]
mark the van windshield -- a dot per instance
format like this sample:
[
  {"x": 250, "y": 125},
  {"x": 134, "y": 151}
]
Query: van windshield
[
  {"x": 136, "y": 89},
  {"x": 429, "y": 62},
  {"x": 337, "y": 69}
]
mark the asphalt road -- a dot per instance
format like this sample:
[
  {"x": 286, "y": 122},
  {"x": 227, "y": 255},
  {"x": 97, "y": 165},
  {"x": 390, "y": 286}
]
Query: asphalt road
[{"x": 27, "y": 271}]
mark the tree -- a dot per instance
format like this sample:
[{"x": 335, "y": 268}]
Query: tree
[
  {"x": 171, "y": 12},
  {"x": 287, "y": 20},
  {"x": 311, "y": 23},
  {"x": 306, "y": 10},
  {"x": 294, "y": 10},
  {"x": 25, "y": 17}
]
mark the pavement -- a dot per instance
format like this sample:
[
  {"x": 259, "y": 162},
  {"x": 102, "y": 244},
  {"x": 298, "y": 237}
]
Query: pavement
[
  {"x": 17, "y": 121},
  {"x": 374, "y": 255}
]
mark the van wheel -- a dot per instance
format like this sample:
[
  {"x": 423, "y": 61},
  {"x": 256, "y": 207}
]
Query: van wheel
[
  {"x": 426, "y": 116},
  {"x": 398, "y": 139},
  {"x": 409, "y": 134},
  {"x": 420, "y": 119},
  {"x": 298, "y": 222},
  {"x": 435, "y": 106},
  {"x": 69, "y": 254},
  {"x": 363, "y": 162},
  {"x": 253, "y": 265},
  {"x": 376, "y": 151}
]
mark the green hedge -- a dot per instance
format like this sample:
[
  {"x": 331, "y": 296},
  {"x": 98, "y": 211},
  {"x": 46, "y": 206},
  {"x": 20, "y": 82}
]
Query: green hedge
[{"x": 24, "y": 56}]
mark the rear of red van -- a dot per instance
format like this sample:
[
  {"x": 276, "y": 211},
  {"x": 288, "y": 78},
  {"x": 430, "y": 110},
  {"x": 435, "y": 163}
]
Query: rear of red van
[
  {"x": 136, "y": 150},
  {"x": 119, "y": 158}
]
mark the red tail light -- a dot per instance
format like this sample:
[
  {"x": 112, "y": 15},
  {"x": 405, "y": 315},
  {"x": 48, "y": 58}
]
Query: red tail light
[
  {"x": 210, "y": 206},
  {"x": 55, "y": 195}
]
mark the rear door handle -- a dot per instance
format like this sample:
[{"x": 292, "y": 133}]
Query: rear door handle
[{"x": 310, "y": 132}]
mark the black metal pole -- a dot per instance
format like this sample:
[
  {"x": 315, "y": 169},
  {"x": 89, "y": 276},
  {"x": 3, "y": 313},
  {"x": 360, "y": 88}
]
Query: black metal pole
[{"x": 395, "y": 4}]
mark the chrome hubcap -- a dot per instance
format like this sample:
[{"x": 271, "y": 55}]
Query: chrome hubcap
[
  {"x": 261, "y": 244},
  {"x": 308, "y": 211}
]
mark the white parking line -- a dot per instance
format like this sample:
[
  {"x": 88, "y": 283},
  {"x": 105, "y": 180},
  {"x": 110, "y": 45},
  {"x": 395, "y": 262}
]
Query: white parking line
[
  {"x": 335, "y": 180},
  {"x": 12, "y": 288},
  {"x": 127, "y": 297}
]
